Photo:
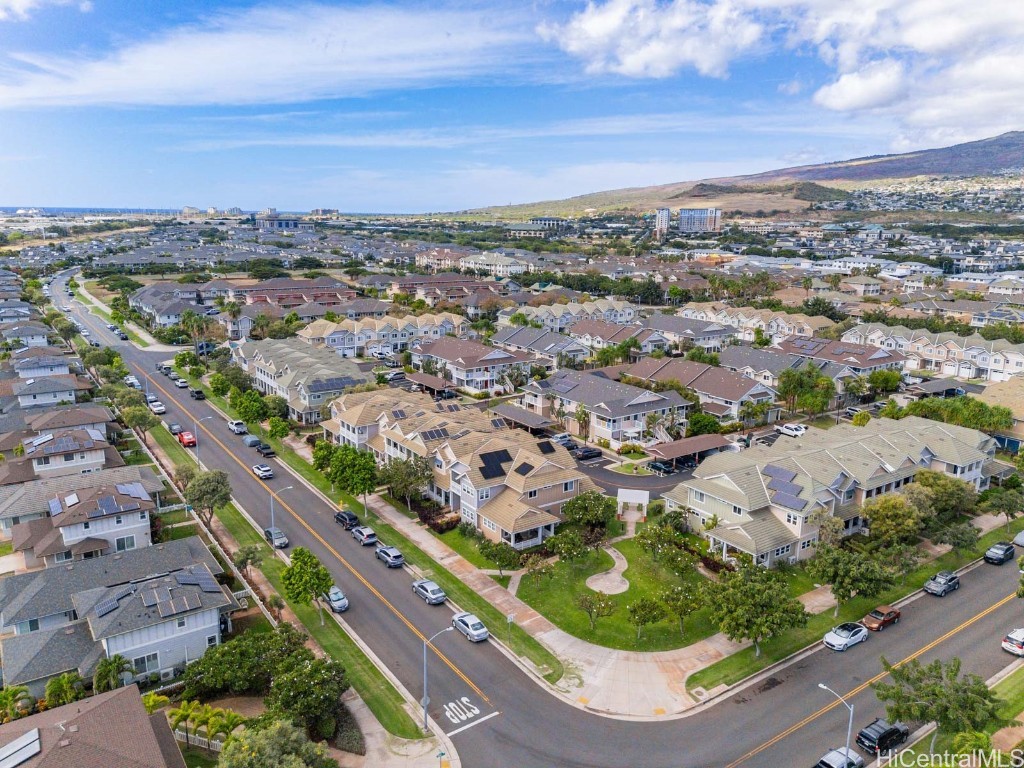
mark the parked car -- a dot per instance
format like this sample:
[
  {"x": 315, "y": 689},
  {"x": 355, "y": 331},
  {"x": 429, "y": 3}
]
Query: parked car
[
  {"x": 336, "y": 599},
  {"x": 238, "y": 427},
  {"x": 689, "y": 464},
  {"x": 346, "y": 519},
  {"x": 122, "y": 336},
  {"x": 415, "y": 388},
  {"x": 251, "y": 441},
  {"x": 390, "y": 556},
  {"x": 999, "y": 553},
  {"x": 470, "y": 626},
  {"x": 196, "y": 393},
  {"x": 585, "y": 454},
  {"x": 846, "y": 635},
  {"x": 447, "y": 394},
  {"x": 393, "y": 375},
  {"x": 181, "y": 383},
  {"x": 157, "y": 407},
  {"x": 95, "y": 343},
  {"x": 1014, "y": 642},
  {"x": 840, "y": 757},
  {"x": 151, "y": 398},
  {"x": 942, "y": 583},
  {"x": 881, "y": 617},
  {"x": 262, "y": 471},
  {"x": 364, "y": 535},
  {"x": 429, "y": 591},
  {"x": 175, "y": 429},
  {"x": 265, "y": 451},
  {"x": 561, "y": 437},
  {"x": 791, "y": 430},
  {"x": 275, "y": 537},
  {"x": 173, "y": 375},
  {"x": 878, "y": 736},
  {"x": 187, "y": 439},
  {"x": 661, "y": 467}
]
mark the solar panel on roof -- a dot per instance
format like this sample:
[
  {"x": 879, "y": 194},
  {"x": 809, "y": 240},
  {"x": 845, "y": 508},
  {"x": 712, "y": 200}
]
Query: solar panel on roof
[
  {"x": 398, "y": 414},
  {"x": 21, "y": 749},
  {"x": 545, "y": 446},
  {"x": 773, "y": 470},
  {"x": 107, "y": 505},
  {"x": 123, "y": 593},
  {"x": 186, "y": 577},
  {"x": 55, "y": 507},
  {"x": 498, "y": 423},
  {"x": 105, "y": 607},
  {"x": 524, "y": 469},
  {"x": 489, "y": 471},
  {"x": 454, "y": 408},
  {"x": 207, "y": 583},
  {"x": 778, "y": 484},
  {"x": 789, "y": 501}
]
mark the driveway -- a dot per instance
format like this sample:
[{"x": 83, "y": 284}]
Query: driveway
[{"x": 610, "y": 481}]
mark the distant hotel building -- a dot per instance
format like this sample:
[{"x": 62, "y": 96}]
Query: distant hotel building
[
  {"x": 276, "y": 222},
  {"x": 662, "y": 219},
  {"x": 700, "y": 219}
]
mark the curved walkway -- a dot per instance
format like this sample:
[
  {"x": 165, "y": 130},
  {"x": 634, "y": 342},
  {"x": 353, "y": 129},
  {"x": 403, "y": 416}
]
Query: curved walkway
[{"x": 611, "y": 582}]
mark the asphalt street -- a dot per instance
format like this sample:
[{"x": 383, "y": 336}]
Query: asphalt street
[{"x": 498, "y": 716}]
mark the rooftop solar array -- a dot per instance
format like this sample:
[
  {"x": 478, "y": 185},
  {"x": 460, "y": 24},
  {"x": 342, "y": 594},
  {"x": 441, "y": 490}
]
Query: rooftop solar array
[
  {"x": 783, "y": 487},
  {"x": 524, "y": 469},
  {"x": 178, "y": 605},
  {"x": 398, "y": 414},
  {"x": 498, "y": 423},
  {"x": 55, "y": 507},
  {"x": 545, "y": 446},
  {"x": 435, "y": 434},
  {"x": 135, "y": 490},
  {"x": 21, "y": 749},
  {"x": 492, "y": 462},
  {"x": 781, "y": 473},
  {"x": 789, "y": 501},
  {"x": 562, "y": 386},
  {"x": 107, "y": 505},
  {"x": 153, "y": 596},
  {"x": 66, "y": 444}
]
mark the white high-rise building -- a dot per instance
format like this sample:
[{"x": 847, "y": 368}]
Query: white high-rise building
[
  {"x": 662, "y": 219},
  {"x": 700, "y": 219}
]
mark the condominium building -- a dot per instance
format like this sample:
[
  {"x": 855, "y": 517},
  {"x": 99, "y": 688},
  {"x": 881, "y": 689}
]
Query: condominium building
[
  {"x": 747, "y": 321},
  {"x": 662, "y": 221},
  {"x": 352, "y": 338},
  {"x": 558, "y": 317},
  {"x": 700, "y": 219}
]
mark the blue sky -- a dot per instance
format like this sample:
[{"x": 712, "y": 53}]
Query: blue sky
[{"x": 434, "y": 106}]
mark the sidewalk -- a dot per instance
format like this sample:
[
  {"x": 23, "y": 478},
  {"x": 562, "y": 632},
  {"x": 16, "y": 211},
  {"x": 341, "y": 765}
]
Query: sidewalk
[{"x": 142, "y": 333}]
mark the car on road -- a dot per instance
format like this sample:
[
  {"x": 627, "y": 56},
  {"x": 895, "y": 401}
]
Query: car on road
[
  {"x": 346, "y": 519},
  {"x": 661, "y": 467},
  {"x": 1014, "y": 642},
  {"x": 196, "y": 393},
  {"x": 122, "y": 336},
  {"x": 151, "y": 398},
  {"x": 95, "y": 343},
  {"x": 470, "y": 626},
  {"x": 878, "y": 736},
  {"x": 175, "y": 429},
  {"x": 390, "y": 556},
  {"x": 881, "y": 617},
  {"x": 561, "y": 437},
  {"x": 336, "y": 599},
  {"x": 999, "y": 553},
  {"x": 187, "y": 439},
  {"x": 85, "y": 332},
  {"x": 791, "y": 430},
  {"x": 265, "y": 451},
  {"x": 262, "y": 471},
  {"x": 429, "y": 591},
  {"x": 586, "y": 454},
  {"x": 238, "y": 427},
  {"x": 942, "y": 583},
  {"x": 251, "y": 441},
  {"x": 181, "y": 383},
  {"x": 846, "y": 635},
  {"x": 840, "y": 757},
  {"x": 111, "y": 327},
  {"x": 173, "y": 375},
  {"x": 364, "y": 535},
  {"x": 130, "y": 380},
  {"x": 169, "y": 372},
  {"x": 157, "y": 407},
  {"x": 275, "y": 537}
]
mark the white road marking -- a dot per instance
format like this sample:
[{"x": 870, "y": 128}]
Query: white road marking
[{"x": 470, "y": 725}]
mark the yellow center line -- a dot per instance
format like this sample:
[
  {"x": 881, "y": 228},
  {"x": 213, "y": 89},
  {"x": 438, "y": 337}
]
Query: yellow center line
[
  {"x": 866, "y": 684},
  {"x": 334, "y": 552}
]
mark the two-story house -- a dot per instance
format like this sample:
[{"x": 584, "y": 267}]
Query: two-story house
[
  {"x": 598, "y": 334},
  {"x": 558, "y": 317},
  {"x": 388, "y": 335},
  {"x": 686, "y": 332},
  {"x": 553, "y": 348},
  {"x": 471, "y": 365}
]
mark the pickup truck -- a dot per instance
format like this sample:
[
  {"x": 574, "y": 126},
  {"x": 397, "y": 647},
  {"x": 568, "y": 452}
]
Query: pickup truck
[{"x": 238, "y": 427}]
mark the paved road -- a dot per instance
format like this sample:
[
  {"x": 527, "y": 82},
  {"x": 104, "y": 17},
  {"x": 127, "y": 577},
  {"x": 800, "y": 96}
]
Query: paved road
[{"x": 511, "y": 721}]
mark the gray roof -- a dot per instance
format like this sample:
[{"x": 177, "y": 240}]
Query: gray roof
[
  {"x": 737, "y": 357},
  {"x": 49, "y": 652},
  {"x": 686, "y": 326},
  {"x": 605, "y": 397},
  {"x": 32, "y": 497},
  {"x": 44, "y": 386},
  {"x": 32, "y": 595},
  {"x": 538, "y": 340}
]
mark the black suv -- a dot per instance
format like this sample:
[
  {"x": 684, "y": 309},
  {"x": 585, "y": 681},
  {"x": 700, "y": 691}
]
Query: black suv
[
  {"x": 879, "y": 736},
  {"x": 265, "y": 450},
  {"x": 999, "y": 553},
  {"x": 584, "y": 454},
  {"x": 197, "y": 394},
  {"x": 346, "y": 519}
]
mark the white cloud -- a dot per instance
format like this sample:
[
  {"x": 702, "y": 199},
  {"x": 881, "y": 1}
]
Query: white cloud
[
  {"x": 19, "y": 10},
  {"x": 875, "y": 85},
  {"x": 270, "y": 55}
]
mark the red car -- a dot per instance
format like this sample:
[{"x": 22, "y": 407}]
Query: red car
[
  {"x": 881, "y": 617},
  {"x": 187, "y": 439}
]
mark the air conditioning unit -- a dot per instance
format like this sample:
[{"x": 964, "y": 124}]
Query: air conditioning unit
[
  {"x": 167, "y": 674},
  {"x": 791, "y": 559}
]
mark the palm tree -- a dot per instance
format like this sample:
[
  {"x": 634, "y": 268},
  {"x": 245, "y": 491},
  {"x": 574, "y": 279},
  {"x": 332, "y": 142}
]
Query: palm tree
[
  {"x": 201, "y": 719},
  {"x": 582, "y": 416},
  {"x": 260, "y": 324},
  {"x": 63, "y": 689},
  {"x": 153, "y": 701},
  {"x": 182, "y": 714},
  {"x": 856, "y": 387},
  {"x": 748, "y": 411},
  {"x": 806, "y": 284},
  {"x": 109, "y": 672},
  {"x": 224, "y": 723},
  {"x": 11, "y": 699}
]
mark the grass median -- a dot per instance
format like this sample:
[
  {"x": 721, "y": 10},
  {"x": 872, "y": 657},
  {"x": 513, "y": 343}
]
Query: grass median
[{"x": 739, "y": 666}]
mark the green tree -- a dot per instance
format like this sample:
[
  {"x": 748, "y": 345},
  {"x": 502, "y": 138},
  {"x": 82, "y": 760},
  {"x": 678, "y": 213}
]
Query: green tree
[
  {"x": 753, "y": 603},
  {"x": 276, "y": 406},
  {"x": 278, "y": 428},
  {"x": 251, "y": 408},
  {"x": 323, "y": 451},
  {"x": 275, "y": 604},
  {"x": 893, "y": 519},
  {"x": 702, "y": 424},
  {"x": 681, "y": 601},
  {"x": 861, "y": 419},
  {"x": 279, "y": 744},
  {"x": 848, "y": 573},
  {"x": 1008, "y": 503},
  {"x": 970, "y": 743},
  {"x": 900, "y": 560},
  {"x": 207, "y": 492},
  {"x": 110, "y": 672},
  {"x": 644, "y": 611},
  {"x": 656, "y": 540},
  {"x": 310, "y": 693},
  {"x": 582, "y": 417},
  {"x": 761, "y": 339},
  {"x": 360, "y": 477},
  {"x": 962, "y": 537},
  {"x": 13, "y": 700},
  {"x": 140, "y": 419},
  {"x": 182, "y": 715},
  {"x": 596, "y": 605},
  {"x": 537, "y": 567},
  {"x": 855, "y": 388},
  {"x": 568, "y": 544},
  {"x": 63, "y": 689},
  {"x": 185, "y": 474},
  {"x": 951, "y": 498},
  {"x": 407, "y": 477},
  {"x": 590, "y": 509},
  {"x": 501, "y": 554},
  {"x": 246, "y": 557},
  {"x": 219, "y": 384},
  {"x": 884, "y": 380},
  {"x": 224, "y": 723},
  {"x": 153, "y": 701},
  {"x": 306, "y": 579},
  {"x": 937, "y": 693}
]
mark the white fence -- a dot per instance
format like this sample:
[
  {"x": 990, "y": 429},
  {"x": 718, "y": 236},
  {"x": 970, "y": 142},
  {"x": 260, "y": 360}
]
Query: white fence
[{"x": 216, "y": 745}]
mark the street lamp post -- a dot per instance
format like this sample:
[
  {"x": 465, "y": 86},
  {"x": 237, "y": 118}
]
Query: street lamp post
[
  {"x": 849, "y": 727},
  {"x": 195, "y": 425},
  {"x": 426, "y": 698},
  {"x": 272, "y": 494}
]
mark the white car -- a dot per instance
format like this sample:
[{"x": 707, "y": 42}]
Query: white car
[
  {"x": 262, "y": 471},
  {"x": 845, "y": 636},
  {"x": 151, "y": 398},
  {"x": 181, "y": 383},
  {"x": 792, "y": 430},
  {"x": 85, "y": 332},
  {"x": 840, "y": 757},
  {"x": 157, "y": 407},
  {"x": 238, "y": 427},
  {"x": 1014, "y": 642}
]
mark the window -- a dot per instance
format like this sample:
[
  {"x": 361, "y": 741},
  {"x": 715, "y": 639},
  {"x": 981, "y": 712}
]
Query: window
[
  {"x": 783, "y": 550},
  {"x": 182, "y": 622},
  {"x": 85, "y": 526},
  {"x": 698, "y": 495},
  {"x": 125, "y": 543},
  {"x": 489, "y": 524},
  {"x": 69, "y": 457},
  {"x": 211, "y": 641},
  {"x": 792, "y": 518},
  {"x": 807, "y": 544},
  {"x": 146, "y": 664},
  {"x": 737, "y": 510},
  {"x": 485, "y": 493},
  {"x": 531, "y": 495},
  {"x": 142, "y": 515},
  {"x": 33, "y": 625},
  {"x": 118, "y": 519},
  {"x": 62, "y": 557},
  {"x": 848, "y": 496},
  {"x": 568, "y": 486}
]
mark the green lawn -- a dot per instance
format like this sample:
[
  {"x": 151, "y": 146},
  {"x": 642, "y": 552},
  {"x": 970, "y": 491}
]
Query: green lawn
[
  {"x": 6, "y": 547},
  {"x": 822, "y": 422},
  {"x": 732, "y": 669},
  {"x": 180, "y": 532},
  {"x": 633, "y": 455},
  {"x": 800, "y": 582},
  {"x": 631, "y": 469},
  {"x": 467, "y": 547},
  {"x": 255, "y": 622},
  {"x": 170, "y": 445},
  {"x": 198, "y": 758},
  {"x": 503, "y": 580},
  {"x": 555, "y": 599},
  {"x": 175, "y": 516}
]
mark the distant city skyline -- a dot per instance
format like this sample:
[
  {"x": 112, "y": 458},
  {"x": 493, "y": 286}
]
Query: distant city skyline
[{"x": 412, "y": 107}]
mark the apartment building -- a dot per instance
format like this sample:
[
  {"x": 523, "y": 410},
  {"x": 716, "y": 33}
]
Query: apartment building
[
  {"x": 700, "y": 220},
  {"x": 553, "y": 348},
  {"x": 471, "y": 365},
  {"x": 495, "y": 264},
  {"x": 747, "y": 321},
  {"x": 598, "y": 334},
  {"x": 687, "y": 333},
  {"x": 307, "y": 377},
  {"x": 963, "y": 357},
  {"x": 615, "y": 411},
  {"x": 762, "y": 498},
  {"x": 559, "y": 317},
  {"x": 352, "y": 338},
  {"x": 860, "y": 359}
]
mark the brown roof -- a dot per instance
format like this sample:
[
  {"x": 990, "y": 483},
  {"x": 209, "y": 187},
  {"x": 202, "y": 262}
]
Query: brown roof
[
  {"x": 464, "y": 353},
  {"x": 842, "y": 352},
  {"x": 698, "y": 376},
  {"x": 103, "y": 731},
  {"x": 688, "y": 446}
]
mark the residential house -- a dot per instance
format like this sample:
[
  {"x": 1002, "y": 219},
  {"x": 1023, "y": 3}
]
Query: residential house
[
  {"x": 553, "y": 348},
  {"x": 688, "y": 333},
  {"x": 558, "y": 317},
  {"x": 747, "y": 321},
  {"x": 1008, "y": 394},
  {"x": 598, "y": 334},
  {"x": 861, "y": 359},
  {"x": 760, "y": 501},
  {"x": 26, "y": 334},
  {"x": 762, "y": 365},
  {"x": 61, "y": 452},
  {"x": 471, "y": 365},
  {"x": 369, "y": 335}
]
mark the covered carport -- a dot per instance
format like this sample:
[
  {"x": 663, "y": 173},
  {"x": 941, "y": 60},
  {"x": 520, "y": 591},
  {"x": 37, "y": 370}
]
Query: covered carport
[
  {"x": 435, "y": 385},
  {"x": 689, "y": 447},
  {"x": 533, "y": 422}
]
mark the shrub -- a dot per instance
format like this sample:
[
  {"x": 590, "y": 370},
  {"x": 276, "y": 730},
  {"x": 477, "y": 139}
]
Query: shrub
[
  {"x": 349, "y": 737},
  {"x": 467, "y": 530},
  {"x": 603, "y": 442},
  {"x": 630, "y": 448},
  {"x": 732, "y": 426},
  {"x": 445, "y": 523}
]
